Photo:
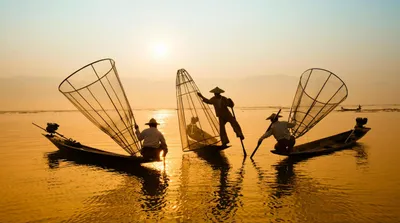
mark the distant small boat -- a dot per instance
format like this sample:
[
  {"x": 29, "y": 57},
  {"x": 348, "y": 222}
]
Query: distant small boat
[
  {"x": 351, "y": 109},
  {"x": 329, "y": 144}
]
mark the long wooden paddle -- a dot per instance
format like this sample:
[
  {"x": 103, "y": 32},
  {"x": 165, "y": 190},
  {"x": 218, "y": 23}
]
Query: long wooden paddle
[
  {"x": 241, "y": 141},
  {"x": 270, "y": 125}
]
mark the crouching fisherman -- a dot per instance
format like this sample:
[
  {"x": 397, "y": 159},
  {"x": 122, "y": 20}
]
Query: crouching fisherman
[
  {"x": 280, "y": 130},
  {"x": 153, "y": 141}
]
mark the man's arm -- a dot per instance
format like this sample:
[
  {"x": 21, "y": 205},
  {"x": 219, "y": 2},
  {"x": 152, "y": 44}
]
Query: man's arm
[
  {"x": 163, "y": 144},
  {"x": 266, "y": 135},
  {"x": 138, "y": 133},
  {"x": 205, "y": 100}
]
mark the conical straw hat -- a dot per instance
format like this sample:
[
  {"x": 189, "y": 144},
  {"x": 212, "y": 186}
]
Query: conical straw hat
[
  {"x": 217, "y": 90},
  {"x": 272, "y": 116},
  {"x": 152, "y": 121}
]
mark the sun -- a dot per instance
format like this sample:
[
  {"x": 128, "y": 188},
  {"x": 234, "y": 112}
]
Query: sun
[{"x": 160, "y": 50}]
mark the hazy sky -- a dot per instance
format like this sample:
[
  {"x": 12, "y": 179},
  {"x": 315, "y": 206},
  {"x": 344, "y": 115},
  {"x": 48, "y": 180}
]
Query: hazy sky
[{"x": 356, "y": 39}]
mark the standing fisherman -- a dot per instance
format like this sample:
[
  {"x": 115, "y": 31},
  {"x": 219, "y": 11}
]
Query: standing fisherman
[{"x": 221, "y": 104}]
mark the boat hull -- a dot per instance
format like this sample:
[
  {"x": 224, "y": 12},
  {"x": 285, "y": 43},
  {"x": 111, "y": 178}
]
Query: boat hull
[
  {"x": 73, "y": 148},
  {"x": 350, "y": 109},
  {"x": 208, "y": 148},
  {"x": 327, "y": 145}
]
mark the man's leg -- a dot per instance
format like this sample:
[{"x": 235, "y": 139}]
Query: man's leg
[
  {"x": 146, "y": 152},
  {"x": 282, "y": 145},
  {"x": 151, "y": 153},
  {"x": 292, "y": 142},
  {"x": 222, "y": 132},
  {"x": 277, "y": 147},
  {"x": 236, "y": 127},
  {"x": 165, "y": 150}
]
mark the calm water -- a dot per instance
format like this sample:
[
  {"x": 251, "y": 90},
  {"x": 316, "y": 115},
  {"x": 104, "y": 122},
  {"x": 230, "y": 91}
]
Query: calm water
[{"x": 361, "y": 184}]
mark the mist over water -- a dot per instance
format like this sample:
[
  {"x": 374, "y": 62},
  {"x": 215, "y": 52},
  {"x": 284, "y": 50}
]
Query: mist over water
[
  {"x": 39, "y": 184},
  {"x": 41, "y": 93}
]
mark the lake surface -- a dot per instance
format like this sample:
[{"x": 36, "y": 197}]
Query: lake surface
[{"x": 361, "y": 184}]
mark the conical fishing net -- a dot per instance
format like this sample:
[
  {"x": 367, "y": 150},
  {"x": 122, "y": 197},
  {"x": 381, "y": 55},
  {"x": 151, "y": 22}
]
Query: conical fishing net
[
  {"x": 97, "y": 92},
  {"x": 197, "y": 124},
  {"x": 318, "y": 93}
]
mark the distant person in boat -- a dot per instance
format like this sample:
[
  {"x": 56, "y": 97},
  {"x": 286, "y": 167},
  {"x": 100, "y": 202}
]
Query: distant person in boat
[
  {"x": 221, "y": 105},
  {"x": 359, "y": 107},
  {"x": 153, "y": 141},
  {"x": 280, "y": 130},
  {"x": 198, "y": 134}
]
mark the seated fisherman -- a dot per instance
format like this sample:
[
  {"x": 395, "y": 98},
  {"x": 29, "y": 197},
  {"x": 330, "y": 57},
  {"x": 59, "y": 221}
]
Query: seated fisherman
[
  {"x": 153, "y": 141},
  {"x": 280, "y": 130},
  {"x": 198, "y": 134}
]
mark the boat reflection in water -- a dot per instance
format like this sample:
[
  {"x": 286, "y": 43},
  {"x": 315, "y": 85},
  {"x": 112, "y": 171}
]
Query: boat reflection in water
[
  {"x": 294, "y": 196},
  {"x": 142, "y": 189},
  {"x": 361, "y": 154},
  {"x": 211, "y": 195}
]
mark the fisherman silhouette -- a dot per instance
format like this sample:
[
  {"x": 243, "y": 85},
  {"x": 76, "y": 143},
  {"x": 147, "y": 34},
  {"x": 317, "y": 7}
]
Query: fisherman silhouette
[{"x": 221, "y": 105}]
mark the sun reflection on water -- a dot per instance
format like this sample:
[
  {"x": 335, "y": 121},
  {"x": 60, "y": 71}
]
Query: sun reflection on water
[
  {"x": 162, "y": 166},
  {"x": 162, "y": 116}
]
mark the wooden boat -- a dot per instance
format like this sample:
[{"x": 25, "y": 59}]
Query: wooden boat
[
  {"x": 318, "y": 93},
  {"x": 351, "y": 109},
  {"x": 208, "y": 148},
  {"x": 97, "y": 92},
  {"x": 74, "y": 148},
  {"x": 329, "y": 144}
]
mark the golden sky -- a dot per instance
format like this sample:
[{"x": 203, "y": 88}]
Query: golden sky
[{"x": 212, "y": 40}]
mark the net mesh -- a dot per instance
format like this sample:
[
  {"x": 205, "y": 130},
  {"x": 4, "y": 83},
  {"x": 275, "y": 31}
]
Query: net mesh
[
  {"x": 197, "y": 124},
  {"x": 97, "y": 92},
  {"x": 318, "y": 93}
]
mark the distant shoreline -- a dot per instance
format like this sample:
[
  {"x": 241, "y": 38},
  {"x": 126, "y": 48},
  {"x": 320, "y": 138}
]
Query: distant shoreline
[{"x": 384, "y": 107}]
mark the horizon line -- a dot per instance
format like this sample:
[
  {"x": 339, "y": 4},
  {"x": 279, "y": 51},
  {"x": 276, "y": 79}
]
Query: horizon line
[{"x": 169, "y": 108}]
